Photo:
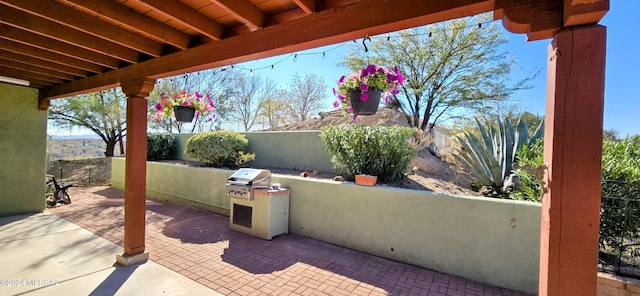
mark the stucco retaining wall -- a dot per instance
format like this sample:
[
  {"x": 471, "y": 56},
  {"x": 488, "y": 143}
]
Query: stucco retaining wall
[
  {"x": 472, "y": 237},
  {"x": 301, "y": 150}
]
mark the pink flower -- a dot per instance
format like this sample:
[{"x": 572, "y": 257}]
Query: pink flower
[
  {"x": 364, "y": 97},
  {"x": 364, "y": 87},
  {"x": 336, "y": 104}
]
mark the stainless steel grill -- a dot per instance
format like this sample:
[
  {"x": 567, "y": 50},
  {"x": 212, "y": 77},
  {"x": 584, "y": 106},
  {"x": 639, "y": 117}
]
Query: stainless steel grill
[{"x": 242, "y": 183}]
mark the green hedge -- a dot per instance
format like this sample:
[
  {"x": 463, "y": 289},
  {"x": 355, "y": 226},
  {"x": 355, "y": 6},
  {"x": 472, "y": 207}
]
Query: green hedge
[
  {"x": 375, "y": 150},
  {"x": 219, "y": 148}
]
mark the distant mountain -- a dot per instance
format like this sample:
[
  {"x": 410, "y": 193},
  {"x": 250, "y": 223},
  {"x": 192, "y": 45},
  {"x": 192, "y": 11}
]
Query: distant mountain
[
  {"x": 73, "y": 137},
  {"x": 70, "y": 148}
]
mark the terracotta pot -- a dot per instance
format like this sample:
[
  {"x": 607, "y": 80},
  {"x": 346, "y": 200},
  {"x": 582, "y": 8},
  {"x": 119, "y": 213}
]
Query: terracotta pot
[
  {"x": 368, "y": 107},
  {"x": 184, "y": 113},
  {"x": 366, "y": 180}
]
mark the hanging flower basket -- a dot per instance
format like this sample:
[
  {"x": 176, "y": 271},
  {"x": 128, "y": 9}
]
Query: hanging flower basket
[
  {"x": 184, "y": 113},
  {"x": 361, "y": 92},
  {"x": 368, "y": 107}
]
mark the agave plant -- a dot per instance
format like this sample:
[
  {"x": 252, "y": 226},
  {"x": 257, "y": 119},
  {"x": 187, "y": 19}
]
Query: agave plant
[{"x": 490, "y": 157}]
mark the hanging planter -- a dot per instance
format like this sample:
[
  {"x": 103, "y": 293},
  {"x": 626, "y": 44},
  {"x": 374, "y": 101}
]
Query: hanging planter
[
  {"x": 370, "y": 84},
  {"x": 184, "y": 113},
  {"x": 366, "y": 180},
  {"x": 368, "y": 107}
]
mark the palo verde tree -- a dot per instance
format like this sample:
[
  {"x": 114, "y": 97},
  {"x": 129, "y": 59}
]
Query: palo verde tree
[
  {"x": 446, "y": 66},
  {"x": 102, "y": 112}
]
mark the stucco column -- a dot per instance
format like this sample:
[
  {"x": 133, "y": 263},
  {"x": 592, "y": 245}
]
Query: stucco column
[
  {"x": 135, "y": 170},
  {"x": 573, "y": 152}
]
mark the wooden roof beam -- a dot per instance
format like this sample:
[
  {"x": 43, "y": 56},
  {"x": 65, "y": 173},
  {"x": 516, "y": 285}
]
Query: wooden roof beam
[
  {"x": 308, "y": 6},
  {"x": 188, "y": 16},
  {"x": 47, "y": 64},
  {"x": 322, "y": 28},
  {"x": 33, "y": 82},
  {"x": 83, "y": 22},
  {"x": 50, "y": 56},
  {"x": 582, "y": 12},
  {"x": 53, "y": 45},
  {"x": 245, "y": 11},
  {"x": 543, "y": 18},
  {"x": 35, "y": 24},
  {"x": 133, "y": 21},
  {"x": 26, "y": 75},
  {"x": 35, "y": 69}
]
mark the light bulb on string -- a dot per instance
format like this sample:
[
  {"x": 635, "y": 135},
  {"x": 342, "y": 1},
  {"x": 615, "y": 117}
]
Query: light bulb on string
[
  {"x": 324, "y": 57},
  {"x": 295, "y": 57},
  {"x": 251, "y": 73},
  {"x": 272, "y": 69}
]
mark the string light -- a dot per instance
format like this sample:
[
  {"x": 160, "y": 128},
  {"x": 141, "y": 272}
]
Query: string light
[{"x": 294, "y": 57}]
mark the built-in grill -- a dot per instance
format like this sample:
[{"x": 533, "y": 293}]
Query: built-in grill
[
  {"x": 255, "y": 208},
  {"x": 242, "y": 183}
]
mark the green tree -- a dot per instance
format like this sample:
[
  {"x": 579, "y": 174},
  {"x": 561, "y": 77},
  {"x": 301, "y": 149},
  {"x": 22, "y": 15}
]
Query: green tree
[
  {"x": 610, "y": 134},
  {"x": 275, "y": 111},
  {"x": 102, "y": 112},
  {"x": 447, "y": 66}
]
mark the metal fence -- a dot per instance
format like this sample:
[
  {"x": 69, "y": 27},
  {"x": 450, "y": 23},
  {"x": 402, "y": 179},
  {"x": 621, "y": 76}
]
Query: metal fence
[
  {"x": 620, "y": 229},
  {"x": 82, "y": 172}
]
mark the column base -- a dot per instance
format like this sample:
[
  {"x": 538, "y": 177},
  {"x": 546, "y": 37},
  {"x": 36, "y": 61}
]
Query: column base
[{"x": 127, "y": 260}]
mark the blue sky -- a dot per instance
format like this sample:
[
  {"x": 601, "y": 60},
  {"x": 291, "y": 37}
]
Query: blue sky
[{"x": 622, "y": 99}]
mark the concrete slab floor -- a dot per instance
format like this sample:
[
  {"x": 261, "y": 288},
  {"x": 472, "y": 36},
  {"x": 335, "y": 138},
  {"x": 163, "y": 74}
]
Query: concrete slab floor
[{"x": 42, "y": 254}]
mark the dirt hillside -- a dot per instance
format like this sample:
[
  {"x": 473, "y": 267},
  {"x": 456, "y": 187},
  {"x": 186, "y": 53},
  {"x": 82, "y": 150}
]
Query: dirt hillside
[{"x": 438, "y": 174}]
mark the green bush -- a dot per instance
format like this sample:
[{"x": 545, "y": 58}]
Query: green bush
[
  {"x": 219, "y": 148},
  {"x": 160, "y": 146},
  {"x": 529, "y": 166},
  {"x": 375, "y": 150},
  {"x": 619, "y": 223}
]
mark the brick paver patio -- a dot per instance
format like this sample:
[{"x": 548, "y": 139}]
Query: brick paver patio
[{"x": 200, "y": 245}]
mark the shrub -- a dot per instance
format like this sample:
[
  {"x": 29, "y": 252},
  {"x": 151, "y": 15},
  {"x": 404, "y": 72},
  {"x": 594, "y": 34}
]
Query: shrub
[
  {"x": 160, "y": 146},
  {"x": 619, "y": 223},
  {"x": 219, "y": 148},
  {"x": 375, "y": 150},
  {"x": 529, "y": 166}
]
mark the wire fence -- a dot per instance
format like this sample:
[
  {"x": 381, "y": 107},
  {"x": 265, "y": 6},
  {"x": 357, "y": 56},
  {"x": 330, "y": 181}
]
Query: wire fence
[
  {"x": 620, "y": 229},
  {"x": 82, "y": 172}
]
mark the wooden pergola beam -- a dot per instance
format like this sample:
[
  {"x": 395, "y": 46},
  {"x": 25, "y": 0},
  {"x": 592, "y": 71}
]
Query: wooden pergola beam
[
  {"x": 189, "y": 17},
  {"x": 49, "y": 56},
  {"x": 245, "y": 11},
  {"x": 132, "y": 20},
  {"x": 50, "y": 29},
  {"x": 35, "y": 69},
  {"x": 316, "y": 30},
  {"x": 73, "y": 52},
  {"x": 46, "y": 64},
  {"x": 308, "y": 6},
  {"x": 83, "y": 22}
]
